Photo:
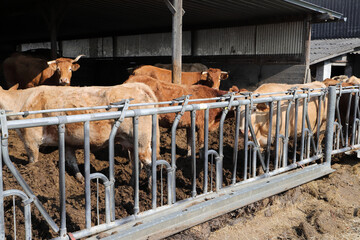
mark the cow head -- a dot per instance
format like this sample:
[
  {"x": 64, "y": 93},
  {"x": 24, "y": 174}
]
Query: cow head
[
  {"x": 214, "y": 76},
  {"x": 64, "y": 67}
]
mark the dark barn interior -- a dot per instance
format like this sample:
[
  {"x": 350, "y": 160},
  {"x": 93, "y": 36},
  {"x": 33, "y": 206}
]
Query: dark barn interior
[{"x": 34, "y": 21}]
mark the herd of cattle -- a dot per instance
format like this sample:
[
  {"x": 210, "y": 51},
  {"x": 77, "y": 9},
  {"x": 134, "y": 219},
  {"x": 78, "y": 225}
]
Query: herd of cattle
[{"x": 147, "y": 84}]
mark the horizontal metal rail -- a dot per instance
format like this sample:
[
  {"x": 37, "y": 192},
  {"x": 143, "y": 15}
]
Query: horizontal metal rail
[{"x": 269, "y": 170}]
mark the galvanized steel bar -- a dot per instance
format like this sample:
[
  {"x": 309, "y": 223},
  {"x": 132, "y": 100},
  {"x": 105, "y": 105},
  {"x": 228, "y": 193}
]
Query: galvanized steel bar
[
  {"x": 246, "y": 141},
  {"x": 236, "y": 144},
  {"x": 153, "y": 161},
  {"x": 27, "y": 209},
  {"x": 62, "y": 192},
  {"x": 193, "y": 153},
  {"x": 136, "y": 163},
  {"x": 355, "y": 117},
  {"x": 277, "y": 132},
  {"x": 2, "y": 219},
  {"x": 330, "y": 124},
  {"x": 268, "y": 153},
  {"x": 206, "y": 149},
  {"x": 87, "y": 174}
]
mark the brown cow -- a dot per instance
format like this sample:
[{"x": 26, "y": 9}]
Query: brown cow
[
  {"x": 52, "y": 97},
  {"x": 260, "y": 116},
  {"x": 185, "y": 67},
  {"x": 30, "y": 72},
  {"x": 211, "y": 78},
  {"x": 165, "y": 91}
]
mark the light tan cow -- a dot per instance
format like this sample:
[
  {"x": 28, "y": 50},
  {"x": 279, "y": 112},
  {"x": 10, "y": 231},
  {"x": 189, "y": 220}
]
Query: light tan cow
[
  {"x": 52, "y": 97},
  {"x": 30, "y": 71},
  {"x": 260, "y": 115},
  {"x": 210, "y": 78}
]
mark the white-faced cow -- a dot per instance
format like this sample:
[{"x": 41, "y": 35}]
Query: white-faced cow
[
  {"x": 210, "y": 78},
  {"x": 52, "y": 97},
  {"x": 30, "y": 71}
]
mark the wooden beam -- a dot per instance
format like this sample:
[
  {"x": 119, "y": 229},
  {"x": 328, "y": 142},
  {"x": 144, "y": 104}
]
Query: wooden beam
[{"x": 177, "y": 41}]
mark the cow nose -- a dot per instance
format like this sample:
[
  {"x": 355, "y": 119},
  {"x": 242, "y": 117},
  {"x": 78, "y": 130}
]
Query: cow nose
[{"x": 64, "y": 81}]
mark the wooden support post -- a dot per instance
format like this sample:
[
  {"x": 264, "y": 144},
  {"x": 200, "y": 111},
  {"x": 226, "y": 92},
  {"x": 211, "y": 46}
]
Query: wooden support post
[
  {"x": 307, "y": 38},
  {"x": 177, "y": 41}
]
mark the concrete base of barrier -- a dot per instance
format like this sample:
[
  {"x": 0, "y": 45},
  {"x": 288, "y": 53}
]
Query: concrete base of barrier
[{"x": 188, "y": 213}]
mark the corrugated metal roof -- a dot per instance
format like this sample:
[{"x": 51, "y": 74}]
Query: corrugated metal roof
[
  {"x": 324, "y": 49},
  {"x": 345, "y": 29},
  {"x": 23, "y": 20}
]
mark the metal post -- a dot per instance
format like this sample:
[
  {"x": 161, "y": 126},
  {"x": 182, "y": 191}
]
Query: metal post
[
  {"x": 193, "y": 152},
  {"x": 61, "y": 129},
  {"x": 330, "y": 124},
  {"x": 87, "y": 174},
  {"x": 153, "y": 160},
  {"x": 177, "y": 41},
  {"x": 136, "y": 163},
  {"x": 2, "y": 220}
]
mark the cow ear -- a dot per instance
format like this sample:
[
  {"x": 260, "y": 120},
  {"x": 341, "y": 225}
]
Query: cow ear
[
  {"x": 204, "y": 75},
  {"x": 15, "y": 87},
  {"x": 262, "y": 107},
  {"x": 75, "y": 67},
  {"x": 224, "y": 76},
  {"x": 52, "y": 66}
]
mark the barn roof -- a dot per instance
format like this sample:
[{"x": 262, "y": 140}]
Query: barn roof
[
  {"x": 324, "y": 49},
  {"x": 23, "y": 20}
]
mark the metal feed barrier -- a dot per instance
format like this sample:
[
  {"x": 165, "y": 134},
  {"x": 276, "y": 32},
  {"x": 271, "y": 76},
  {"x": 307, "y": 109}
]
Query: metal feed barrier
[{"x": 257, "y": 172}]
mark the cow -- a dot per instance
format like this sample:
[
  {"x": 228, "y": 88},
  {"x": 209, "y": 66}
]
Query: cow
[
  {"x": 345, "y": 114},
  {"x": 30, "y": 71},
  {"x": 211, "y": 78},
  {"x": 52, "y": 97},
  {"x": 185, "y": 67},
  {"x": 166, "y": 91},
  {"x": 260, "y": 114}
]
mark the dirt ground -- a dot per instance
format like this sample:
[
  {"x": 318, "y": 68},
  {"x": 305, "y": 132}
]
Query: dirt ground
[{"x": 328, "y": 208}]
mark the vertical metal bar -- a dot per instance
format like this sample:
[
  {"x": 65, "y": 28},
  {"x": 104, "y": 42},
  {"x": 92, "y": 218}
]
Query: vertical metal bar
[
  {"x": 347, "y": 121},
  {"x": 268, "y": 153},
  {"x": 153, "y": 160},
  {"x": 236, "y": 143},
  {"x": 63, "y": 230},
  {"x": 193, "y": 153},
  {"x": 14, "y": 214},
  {"x": 27, "y": 215},
  {"x": 330, "y": 124},
  {"x": 136, "y": 163},
  {"x": 318, "y": 125},
  {"x": 295, "y": 130},
  {"x": 97, "y": 202},
  {"x": 2, "y": 219},
  {"x": 177, "y": 41},
  {"x": 356, "y": 103},
  {"x": 87, "y": 174},
  {"x": 303, "y": 129},
  {"x": 246, "y": 140},
  {"x": 277, "y": 131},
  {"x": 206, "y": 149}
]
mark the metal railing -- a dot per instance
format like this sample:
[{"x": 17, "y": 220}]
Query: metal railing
[{"x": 280, "y": 164}]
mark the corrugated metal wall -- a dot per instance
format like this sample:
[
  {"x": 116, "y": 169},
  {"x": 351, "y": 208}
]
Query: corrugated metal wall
[
  {"x": 348, "y": 29},
  {"x": 281, "y": 38},
  {"x": 269, "y": 39}
]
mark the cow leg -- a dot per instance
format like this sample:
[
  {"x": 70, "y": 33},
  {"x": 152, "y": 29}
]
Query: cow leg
[
  {"x": 144, "y": 162},
  {"x": 71, "y": 162},
  {"x": 31, "y": 143},
  {"x": 188, "y": 140}
]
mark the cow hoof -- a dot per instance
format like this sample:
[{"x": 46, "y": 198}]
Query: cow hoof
[{"x": 80, "y": 177}]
